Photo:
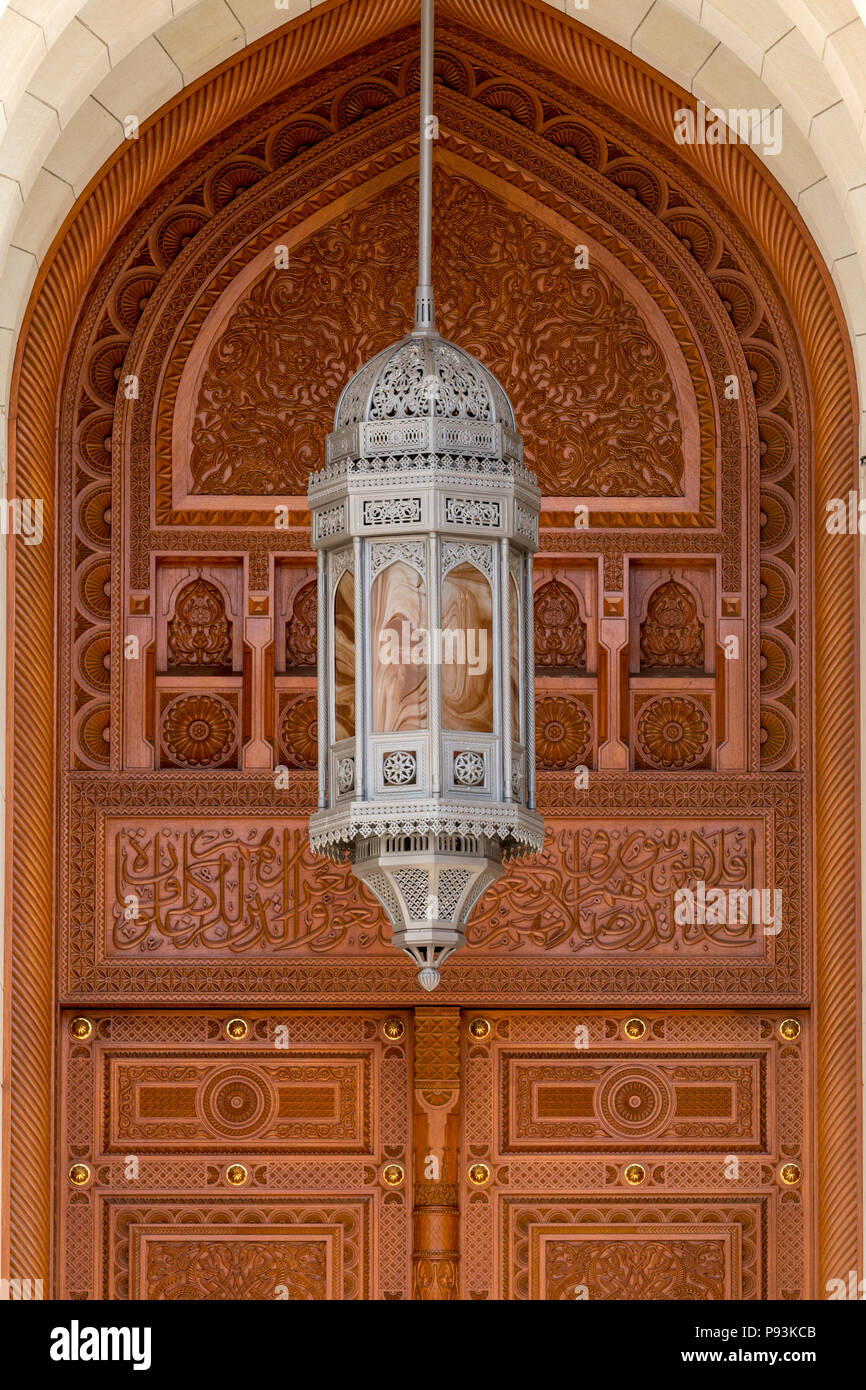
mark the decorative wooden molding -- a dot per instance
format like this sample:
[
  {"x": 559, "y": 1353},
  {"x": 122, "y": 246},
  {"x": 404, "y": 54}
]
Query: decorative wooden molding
[{"x": 768, "y": 219}]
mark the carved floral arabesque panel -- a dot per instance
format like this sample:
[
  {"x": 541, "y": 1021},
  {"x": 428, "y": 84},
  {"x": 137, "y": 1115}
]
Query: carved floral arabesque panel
[
  {"x": 301, "y": 1264},
  {"x": 596, "y": 399},
  {"x": 246, "y": 1167}
]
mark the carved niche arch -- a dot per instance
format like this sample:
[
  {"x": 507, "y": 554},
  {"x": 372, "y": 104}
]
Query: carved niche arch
[
  {"x": 560, "y": 629},
  {"x": 199, "y": 630},
  {"x": 565, "y": 122},
  {"x": 672, "y": 626}
]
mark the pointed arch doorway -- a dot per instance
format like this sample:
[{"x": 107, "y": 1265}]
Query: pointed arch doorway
[{"x": 162, "y": 342}]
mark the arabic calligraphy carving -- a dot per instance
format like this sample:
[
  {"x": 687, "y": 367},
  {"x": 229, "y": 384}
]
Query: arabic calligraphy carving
[
  {"x": 599, "y": 889},
  {"x": 232, "y": 888},
  {"x": 611, "y": 888}
]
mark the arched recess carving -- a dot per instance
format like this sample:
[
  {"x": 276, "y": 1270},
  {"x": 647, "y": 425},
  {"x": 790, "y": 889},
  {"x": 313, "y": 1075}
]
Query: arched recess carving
[
  {"x": 764, "y": 306},
  {"x": 624, "y": 367}
]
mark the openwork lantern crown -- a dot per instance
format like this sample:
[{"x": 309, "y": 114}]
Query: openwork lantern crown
[{"x": 425, "y": 521}]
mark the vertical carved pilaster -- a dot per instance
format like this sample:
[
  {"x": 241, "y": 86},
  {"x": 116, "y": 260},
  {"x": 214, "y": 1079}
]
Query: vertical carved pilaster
[{"x": 436, "y": 1214}]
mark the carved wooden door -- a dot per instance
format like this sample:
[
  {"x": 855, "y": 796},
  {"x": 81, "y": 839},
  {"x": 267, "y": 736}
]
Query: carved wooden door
[
  {"x": 617, "y": 1156},
  {"x": 620, "y": 1105},
  {"x": 221, "y": 1156}
]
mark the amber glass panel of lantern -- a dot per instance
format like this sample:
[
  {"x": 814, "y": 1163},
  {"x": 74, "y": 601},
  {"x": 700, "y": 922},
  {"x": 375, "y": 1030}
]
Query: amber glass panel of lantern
[
  {"x": 467, "y": 651},
  {"x": 344, "y": 658},
  {"x": 399, "y": 619},
  {"x": 515, "y": 662}
]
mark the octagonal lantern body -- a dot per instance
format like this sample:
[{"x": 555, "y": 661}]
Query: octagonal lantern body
[{"x": 425, "y": 521}]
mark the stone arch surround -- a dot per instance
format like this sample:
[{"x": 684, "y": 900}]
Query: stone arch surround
[
  {"x": 61, "y": 284},
  {"x": 73, "y": 71}
]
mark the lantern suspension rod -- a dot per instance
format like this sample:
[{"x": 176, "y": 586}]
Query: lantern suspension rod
[{"x": 425, "y": 309}]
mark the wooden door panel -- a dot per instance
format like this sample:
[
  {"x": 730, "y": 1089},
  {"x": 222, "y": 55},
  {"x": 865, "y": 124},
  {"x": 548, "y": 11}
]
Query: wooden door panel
[
  {"x": 239, "y": 1155},
  {"x": 657, "y": 1156}
]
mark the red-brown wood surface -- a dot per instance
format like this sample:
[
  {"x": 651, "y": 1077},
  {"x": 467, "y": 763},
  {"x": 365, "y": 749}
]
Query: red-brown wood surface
[{"x": 182, "y": 870}]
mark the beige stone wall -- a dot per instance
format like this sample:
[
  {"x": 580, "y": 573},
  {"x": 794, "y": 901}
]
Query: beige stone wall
[{"x": 72, "y": 72}]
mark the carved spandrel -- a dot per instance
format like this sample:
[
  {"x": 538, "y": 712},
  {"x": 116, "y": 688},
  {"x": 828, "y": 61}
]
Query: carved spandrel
[{"x": 586, "y": 329}]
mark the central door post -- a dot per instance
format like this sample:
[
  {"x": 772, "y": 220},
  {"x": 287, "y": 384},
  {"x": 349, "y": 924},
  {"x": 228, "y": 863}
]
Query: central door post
[{"x": 436, "y": 1209}]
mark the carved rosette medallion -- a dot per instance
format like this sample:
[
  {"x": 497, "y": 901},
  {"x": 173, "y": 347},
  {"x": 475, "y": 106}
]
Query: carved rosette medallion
[
  {"x": 563, "y": 731},
  {"x": 634, "y": 1101},
  {"x": 673, "y": 732},
  {"x": 199, "y": 731},
  {"x": 299, "y": 731},
  {"x": 237, "y": 1103}
]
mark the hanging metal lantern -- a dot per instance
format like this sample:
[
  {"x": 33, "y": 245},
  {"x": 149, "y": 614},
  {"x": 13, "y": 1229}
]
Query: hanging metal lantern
[{"x": 425, "y": 521}]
